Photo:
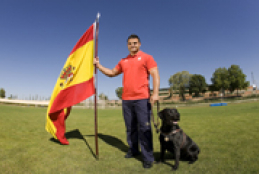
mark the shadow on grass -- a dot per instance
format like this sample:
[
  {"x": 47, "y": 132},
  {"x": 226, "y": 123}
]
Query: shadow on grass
[
  {"x": 115, "y": 142},
  {"x": 75, "y": 134}
]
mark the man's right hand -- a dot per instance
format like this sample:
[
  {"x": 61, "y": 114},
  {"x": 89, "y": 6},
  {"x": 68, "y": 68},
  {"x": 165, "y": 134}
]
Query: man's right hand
[
  {"x": 96, "y": 62},
  {"x": 108, "y": 72}
]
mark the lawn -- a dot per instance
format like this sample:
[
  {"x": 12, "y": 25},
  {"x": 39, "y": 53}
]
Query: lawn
[{"x": 228, "y": 137}]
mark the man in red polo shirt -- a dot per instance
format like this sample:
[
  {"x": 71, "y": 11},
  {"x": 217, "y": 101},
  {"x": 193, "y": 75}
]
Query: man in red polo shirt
[{"x": 136, "y": 99}]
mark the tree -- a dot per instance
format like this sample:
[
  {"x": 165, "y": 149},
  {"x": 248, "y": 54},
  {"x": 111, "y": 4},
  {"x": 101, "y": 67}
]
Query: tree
[
  {"x": 212, "y": 88},
  {"x": 220, "y": 79},
  {"x": 119, "y": 91},
  {"x": 236, "y": 78},
  {"x": 102, "y": 96},
  {"x": 2, "y": 93},
  {"x": 11, "y": 97},
  {"x": 197, "y": 84},
  {"x": 180, "y": 81}
]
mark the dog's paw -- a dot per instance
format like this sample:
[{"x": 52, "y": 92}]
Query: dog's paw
[{"x": 191, "y": 162}]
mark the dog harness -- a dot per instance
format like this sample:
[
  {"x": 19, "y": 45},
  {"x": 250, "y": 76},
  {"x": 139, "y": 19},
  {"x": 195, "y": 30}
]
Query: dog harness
[{"x": 174, "y": 132}]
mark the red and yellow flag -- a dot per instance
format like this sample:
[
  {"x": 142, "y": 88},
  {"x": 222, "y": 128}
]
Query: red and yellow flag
[{"x": 75, "y": 84}]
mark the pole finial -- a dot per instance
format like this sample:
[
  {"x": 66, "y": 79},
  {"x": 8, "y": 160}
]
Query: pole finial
[{"x": 98, "y": 16}]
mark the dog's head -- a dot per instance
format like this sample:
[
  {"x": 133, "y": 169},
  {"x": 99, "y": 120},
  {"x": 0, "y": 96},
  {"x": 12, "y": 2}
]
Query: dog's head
[{"x": 169, "y": 116}]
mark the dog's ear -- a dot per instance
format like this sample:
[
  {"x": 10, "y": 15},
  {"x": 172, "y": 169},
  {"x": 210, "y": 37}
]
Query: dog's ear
[{"x": 160, "y": 114}]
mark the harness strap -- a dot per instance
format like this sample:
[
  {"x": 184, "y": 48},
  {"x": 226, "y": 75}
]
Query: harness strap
[{"x": 170, "y": 133}]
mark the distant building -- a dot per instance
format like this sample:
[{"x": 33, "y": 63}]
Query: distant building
[{"x": 167, "y": 94}]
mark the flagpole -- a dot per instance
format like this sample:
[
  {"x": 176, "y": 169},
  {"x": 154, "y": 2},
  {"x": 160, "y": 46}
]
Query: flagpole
[{"x": 95, "y": 97}]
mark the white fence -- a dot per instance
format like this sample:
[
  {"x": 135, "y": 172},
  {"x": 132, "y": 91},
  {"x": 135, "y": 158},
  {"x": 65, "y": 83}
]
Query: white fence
[
  {"x": 85, "y": 104},
  {"x": 102, "y": 104},
  {"x": 26, "y": 102}
]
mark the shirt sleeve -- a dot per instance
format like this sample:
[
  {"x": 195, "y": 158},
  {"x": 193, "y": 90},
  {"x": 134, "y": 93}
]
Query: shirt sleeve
[
  {"x": 150, "y": 62},
  {"x": 119, "y": 67}
]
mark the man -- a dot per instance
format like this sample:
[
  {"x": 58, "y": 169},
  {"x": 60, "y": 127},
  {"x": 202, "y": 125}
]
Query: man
[{"x": 136, "y": 68}]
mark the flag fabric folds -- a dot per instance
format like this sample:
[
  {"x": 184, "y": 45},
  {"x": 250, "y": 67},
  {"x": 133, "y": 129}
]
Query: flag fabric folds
[{"x": 75, "y": 84}]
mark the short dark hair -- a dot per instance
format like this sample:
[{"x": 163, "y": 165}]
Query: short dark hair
[{"x": 133, "y": 36}]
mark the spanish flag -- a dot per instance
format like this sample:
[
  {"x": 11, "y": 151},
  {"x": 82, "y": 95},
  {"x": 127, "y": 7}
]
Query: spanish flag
[{"x": 75, "y": 84}]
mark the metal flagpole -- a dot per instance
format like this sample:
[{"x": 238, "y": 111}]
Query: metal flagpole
[{"x": 95, "y": 97}]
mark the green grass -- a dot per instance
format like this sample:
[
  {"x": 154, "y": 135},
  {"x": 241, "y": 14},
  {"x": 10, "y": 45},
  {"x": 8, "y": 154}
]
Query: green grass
[{"x": 228, "y": 137}]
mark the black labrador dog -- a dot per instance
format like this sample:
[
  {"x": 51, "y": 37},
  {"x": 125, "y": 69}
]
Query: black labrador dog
[{"x": 173, "y": 139}]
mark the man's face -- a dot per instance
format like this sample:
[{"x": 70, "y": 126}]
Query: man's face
[{"x": 133, "y": 45}]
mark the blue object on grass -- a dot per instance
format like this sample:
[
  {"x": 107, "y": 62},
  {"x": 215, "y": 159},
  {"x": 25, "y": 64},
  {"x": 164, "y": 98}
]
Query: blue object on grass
[{"x": 218, "y": 104}]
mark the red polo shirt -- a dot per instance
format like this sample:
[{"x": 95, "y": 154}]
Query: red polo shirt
[{"x": 136, "y": 75}]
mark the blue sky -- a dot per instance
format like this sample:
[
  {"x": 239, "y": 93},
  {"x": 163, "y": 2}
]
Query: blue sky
[{"x": 198, "y": 36}]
